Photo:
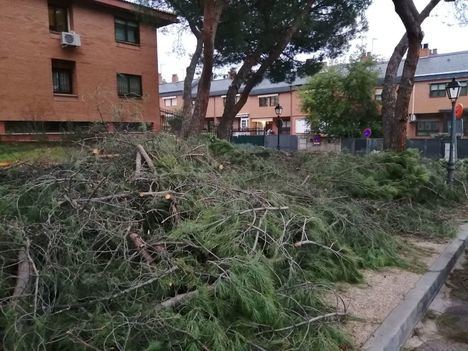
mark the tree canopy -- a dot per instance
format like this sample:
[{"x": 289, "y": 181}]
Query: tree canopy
[{"x": 340, "y": 100}]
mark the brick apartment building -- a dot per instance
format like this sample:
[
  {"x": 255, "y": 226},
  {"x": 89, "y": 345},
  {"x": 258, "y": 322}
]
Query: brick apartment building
[
  {"x": 429, "y": 106},
  {"x": 103, "y": 70}
]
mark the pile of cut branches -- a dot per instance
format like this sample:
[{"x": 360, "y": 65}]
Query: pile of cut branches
[{"x": 200, "y": 245}]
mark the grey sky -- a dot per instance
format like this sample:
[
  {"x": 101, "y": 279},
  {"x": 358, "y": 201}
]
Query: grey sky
[{"x": 385, "y": 30}]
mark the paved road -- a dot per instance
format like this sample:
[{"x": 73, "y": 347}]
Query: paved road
[{"x": 445, "y": 326}]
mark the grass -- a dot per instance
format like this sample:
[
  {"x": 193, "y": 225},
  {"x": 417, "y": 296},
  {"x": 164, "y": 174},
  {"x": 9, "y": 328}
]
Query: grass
[{"x": 34, "y": 152}]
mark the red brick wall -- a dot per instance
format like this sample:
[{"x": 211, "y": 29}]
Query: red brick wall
[{"x": 26, "y": 50}]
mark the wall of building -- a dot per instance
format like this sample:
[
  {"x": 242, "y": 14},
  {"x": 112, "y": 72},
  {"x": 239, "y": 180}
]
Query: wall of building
[
  {"x": 27, "y": 48},
  {"x": 423, "y": 103}
]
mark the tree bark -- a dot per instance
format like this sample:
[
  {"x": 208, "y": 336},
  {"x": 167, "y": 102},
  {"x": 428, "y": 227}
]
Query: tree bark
[
  {"x": 392, "y": 125},
  {"x": 211, "y": 16},
  {"x": 190, "y": 72},
  {"x": 251, "y": 79}
]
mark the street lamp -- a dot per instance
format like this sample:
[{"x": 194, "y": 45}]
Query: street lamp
[
  {"x": 279, "y": 122},
  {"x": 453, "y": 92}
]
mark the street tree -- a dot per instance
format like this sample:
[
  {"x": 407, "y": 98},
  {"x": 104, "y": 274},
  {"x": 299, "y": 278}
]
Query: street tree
[
  {"x": 340, "y": 100},
  {"x": 396, "y": 92},
  {"x": 267, "y": 42}
]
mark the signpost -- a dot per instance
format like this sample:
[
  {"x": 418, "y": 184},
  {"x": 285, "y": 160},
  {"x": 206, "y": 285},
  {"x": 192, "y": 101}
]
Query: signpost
[
  {"x": 459, "y": 111},
  {"x": 367, "y": 133}
]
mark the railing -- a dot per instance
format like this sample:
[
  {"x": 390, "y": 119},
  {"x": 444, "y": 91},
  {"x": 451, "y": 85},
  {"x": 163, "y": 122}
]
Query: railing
[{"x": 247, "y": 131}]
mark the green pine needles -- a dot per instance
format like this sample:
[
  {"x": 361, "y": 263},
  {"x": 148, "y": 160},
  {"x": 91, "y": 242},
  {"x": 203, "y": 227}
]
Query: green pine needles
[{"x": 219, "y": 248}]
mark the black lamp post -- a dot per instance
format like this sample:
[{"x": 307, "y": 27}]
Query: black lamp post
[
  {"x": 279, "y": 122},
  {"x": 453, "y": 92}
]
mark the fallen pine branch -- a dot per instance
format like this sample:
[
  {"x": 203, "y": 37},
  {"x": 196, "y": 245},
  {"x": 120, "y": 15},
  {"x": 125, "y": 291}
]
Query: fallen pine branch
[
  {"x": 146, "y": 157},
  {"x": 23, "y": 275},
  {"x": 264, "y": 209},
  {"x": 138, "y": 165},
  {"x": 178, "y": 299},
  {"x": 167, "y": 194},
  {"x": 64, "y": 308},
  {"x": 311, "y": 242},
  {"x": 309, "y": 321}
]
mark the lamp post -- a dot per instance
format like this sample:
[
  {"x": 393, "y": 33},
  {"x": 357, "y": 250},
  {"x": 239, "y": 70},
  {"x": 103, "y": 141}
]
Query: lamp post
[
  {"x": 279, "y": 122},
  {"x": 453, "y": 91}
]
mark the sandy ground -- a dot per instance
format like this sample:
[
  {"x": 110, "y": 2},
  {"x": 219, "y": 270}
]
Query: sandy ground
[{"x": 369, "y": 303}]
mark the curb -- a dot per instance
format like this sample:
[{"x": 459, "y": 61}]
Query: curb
[{"x": 399, "y": 324}]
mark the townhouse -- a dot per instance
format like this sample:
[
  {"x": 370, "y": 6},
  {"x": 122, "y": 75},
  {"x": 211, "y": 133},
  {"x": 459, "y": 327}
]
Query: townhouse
[
  {"x": 429, "y": 107},
  {"x": 67, "y": 64}
]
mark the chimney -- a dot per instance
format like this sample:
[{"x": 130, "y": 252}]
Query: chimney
[
  {"x": 160, "y": 78},
  {"x": 424, "y": 51},
  {"x": 366, "y": 56},
  {"x": 175, "y": 78}
]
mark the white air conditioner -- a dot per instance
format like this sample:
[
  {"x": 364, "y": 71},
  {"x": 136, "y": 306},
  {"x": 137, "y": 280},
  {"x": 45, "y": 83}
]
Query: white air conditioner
[
  {"x": 70, "y": 39},
  {"x": 412, "y": 117}
]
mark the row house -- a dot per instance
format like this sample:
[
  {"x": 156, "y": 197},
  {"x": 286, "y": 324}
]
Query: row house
[
  {"x": 429, "y": 107},
  {"x": 70, "y": 63},
  {"x": 256, "y": 116}
]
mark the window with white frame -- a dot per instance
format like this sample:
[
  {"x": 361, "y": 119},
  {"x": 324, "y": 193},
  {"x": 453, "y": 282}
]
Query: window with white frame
[
  {"x": 302, "y": 126},
  {"x": 464, "y": 89},
  {"x": 437, "y": 90},
  {"x": 244, "y": 123},
  {"x": 170, "y": 101},
  {"x": 378, "y": 94}
]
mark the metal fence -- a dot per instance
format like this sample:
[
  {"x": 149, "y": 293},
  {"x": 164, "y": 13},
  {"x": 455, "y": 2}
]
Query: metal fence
[{"x": 286, "y": 142}]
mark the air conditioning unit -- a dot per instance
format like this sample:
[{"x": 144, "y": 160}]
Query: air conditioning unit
[
  {"x": 412, "y": 117},
  {"x": 70, "y": 39}
]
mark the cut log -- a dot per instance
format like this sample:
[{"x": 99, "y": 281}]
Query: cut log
[
  {"x": 23, "y": 276},
  {"x": 140, "y": 245},
  {"x": 138, "y": 165}
]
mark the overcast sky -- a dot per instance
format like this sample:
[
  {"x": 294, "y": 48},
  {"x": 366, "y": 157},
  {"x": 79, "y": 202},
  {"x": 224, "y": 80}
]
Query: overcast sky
[{"x": 441, "y": 30}]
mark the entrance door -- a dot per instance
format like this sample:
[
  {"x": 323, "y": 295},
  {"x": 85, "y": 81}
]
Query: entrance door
[{"x": 244, "y": 123}]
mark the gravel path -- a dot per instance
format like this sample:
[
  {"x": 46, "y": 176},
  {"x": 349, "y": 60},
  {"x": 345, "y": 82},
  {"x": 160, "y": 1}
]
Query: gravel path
[{"x": 445, "y": 326}]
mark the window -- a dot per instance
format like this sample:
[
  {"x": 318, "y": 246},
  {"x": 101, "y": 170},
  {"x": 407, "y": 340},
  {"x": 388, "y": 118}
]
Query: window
[
  {"x": 224, "y": 99},
  {"x": 378, "y": 94},
  {"x": 244, "y": 123},
  {"x": 264, "y": 101},
  {"x": 127, "y": 31},
  {"x": 62, "y": 76},
  {"x": 464, "y": 89},
  {"x": 58, "y": 18},
  {"x": 129, "y": 85},
  {"x": 437, "y": 90},
  {"x": 427, "y": 127},
  {"x": 170, "y": 101},
  {"x": 302, "y": 126}
]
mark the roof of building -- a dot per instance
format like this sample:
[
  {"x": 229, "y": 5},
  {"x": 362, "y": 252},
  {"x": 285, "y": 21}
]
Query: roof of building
[
  {"x": 433, "y": 67},
  {"x": 163, "y": 18},
  {"x": 436, "y": 66}
]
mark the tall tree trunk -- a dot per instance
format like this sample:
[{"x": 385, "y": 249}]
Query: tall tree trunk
[
  {"x": 251, "y": 79},
  {"x": 190, "y": 72},
  {"x": 390, "y": 121},
  {"x": 211, "y": 16}
]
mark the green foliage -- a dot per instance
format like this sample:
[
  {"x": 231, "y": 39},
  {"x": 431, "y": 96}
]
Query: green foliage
[
  {"x": 255, "y": 273},
  {"x": 340, "y": 100}
]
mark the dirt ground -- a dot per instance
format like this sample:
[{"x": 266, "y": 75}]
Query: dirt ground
[{"x": 445, "y": 326}]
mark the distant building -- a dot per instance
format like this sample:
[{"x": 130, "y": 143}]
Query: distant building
[
  {"x": 429, "y": 106},
  {"x": 67, "y": 64}
]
